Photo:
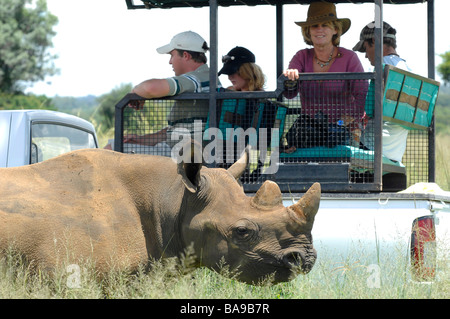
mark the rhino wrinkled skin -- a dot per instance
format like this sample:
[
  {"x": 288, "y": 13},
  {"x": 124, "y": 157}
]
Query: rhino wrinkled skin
[{"x": 122, "y": 209}]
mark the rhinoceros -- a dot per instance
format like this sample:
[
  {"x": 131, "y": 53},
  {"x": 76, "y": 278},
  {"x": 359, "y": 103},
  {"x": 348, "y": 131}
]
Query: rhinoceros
[{"x": 125, "y": 209}]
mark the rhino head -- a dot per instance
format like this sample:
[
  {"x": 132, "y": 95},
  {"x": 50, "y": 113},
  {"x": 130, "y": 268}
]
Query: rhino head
[{"x": 255, "y": 236}]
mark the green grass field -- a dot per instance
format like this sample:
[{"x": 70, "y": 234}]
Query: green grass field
[
  {"x": 443, "y": 161},
  {"x": 172, "y": 279},
  {"x": 169, "y": 279}
]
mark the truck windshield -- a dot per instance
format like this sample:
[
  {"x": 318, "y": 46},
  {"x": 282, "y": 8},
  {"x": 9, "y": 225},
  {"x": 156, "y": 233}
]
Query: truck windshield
[{"x": 50, "y": 140}]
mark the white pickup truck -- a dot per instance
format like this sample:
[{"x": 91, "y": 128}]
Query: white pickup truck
[
  {"x": 32, "y": 136},
  {"x": 392, "y": 231}
]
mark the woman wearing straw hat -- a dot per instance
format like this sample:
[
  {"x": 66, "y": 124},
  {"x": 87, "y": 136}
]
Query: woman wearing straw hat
[
  {"x": 340, "y": 101},
  {"x": 323, "y": 30}
]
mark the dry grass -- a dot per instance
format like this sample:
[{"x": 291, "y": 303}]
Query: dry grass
[
  {"x": 443, "y": 161},
  {"x": 176, "y": 279}
]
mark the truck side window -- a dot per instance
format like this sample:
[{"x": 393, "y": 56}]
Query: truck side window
[{"x": 51, "y": 140}]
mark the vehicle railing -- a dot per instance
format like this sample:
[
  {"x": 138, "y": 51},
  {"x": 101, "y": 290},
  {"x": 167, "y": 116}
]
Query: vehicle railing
[{"x": 339, "y": 168}]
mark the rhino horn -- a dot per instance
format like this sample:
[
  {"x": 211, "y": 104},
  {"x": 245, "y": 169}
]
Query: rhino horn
[
  {"x": 268, "y": 196},
  {"x": 308, "y": 205},
  {"x": 238, "y": 168}
]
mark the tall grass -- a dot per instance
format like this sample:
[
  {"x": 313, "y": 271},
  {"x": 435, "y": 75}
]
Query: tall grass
[
  {"x": 443, "y": 161},
  {"x": 176, "y": 279}
]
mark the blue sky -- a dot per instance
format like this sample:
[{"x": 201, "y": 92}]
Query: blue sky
[{"x": 101, "y": 44}]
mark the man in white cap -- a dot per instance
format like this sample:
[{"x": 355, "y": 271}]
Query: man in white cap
[{"x": 187, "y": 57}]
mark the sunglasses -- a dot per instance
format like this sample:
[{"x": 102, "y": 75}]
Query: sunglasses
[{"x": 228, "y": 58}]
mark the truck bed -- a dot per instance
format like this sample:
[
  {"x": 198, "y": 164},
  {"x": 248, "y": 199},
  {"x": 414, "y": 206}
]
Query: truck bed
[{"x": 376, "y": 228}]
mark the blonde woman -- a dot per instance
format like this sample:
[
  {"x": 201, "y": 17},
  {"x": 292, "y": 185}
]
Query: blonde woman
[
  {"x": 339, "y": 99},
  {"x": 243, "y": 73},
  {"x": 338, "y": 102}
]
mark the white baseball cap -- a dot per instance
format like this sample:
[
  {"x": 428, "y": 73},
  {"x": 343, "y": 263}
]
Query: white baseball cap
[{"x": 188, "y": 41}]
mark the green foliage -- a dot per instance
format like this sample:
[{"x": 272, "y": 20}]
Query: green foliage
[
  {"x": 21, "y": 102},
  {"x": 152, "y": 118},
  {"x": 442, "y": 111},
  {"x": 97, "y": 110},
  {"x": 351, "y": 277},
  {"x": 83, "y": 107},
  {"x": 26, "y": 33},
  {"x": 104, "y": 115},
  {"x": 444, "y": 67}
]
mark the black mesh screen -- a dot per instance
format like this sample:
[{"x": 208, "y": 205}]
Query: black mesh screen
[{"x": 312, "y": 130}]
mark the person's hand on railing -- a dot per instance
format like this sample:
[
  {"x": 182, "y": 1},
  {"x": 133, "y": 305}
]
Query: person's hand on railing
[
  {"x": 291, "y": 74},
  {"x": 289, "y": 83},
  {"x": 137, "y": 104}
]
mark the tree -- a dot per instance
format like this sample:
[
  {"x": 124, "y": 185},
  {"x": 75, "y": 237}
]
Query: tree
[
  {"x": 26, "y": 31},
  {"x": 107, "y": 102},
  {"x": 444, "y": 67},
  {"x": 20, "y": 101}
]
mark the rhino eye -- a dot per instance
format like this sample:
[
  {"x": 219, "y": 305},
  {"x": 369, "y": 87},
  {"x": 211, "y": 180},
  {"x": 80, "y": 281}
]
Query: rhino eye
[
  {"x": 244, "y": 230},
  {"x": 242, "y": 233},
  {"x": 241, "y": 230}
]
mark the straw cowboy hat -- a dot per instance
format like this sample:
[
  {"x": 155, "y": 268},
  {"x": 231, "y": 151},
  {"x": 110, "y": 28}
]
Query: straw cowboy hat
[{"x": 320, "y": 12}]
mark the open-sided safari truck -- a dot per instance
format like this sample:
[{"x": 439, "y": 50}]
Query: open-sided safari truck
[
  {"x": 329, "y": 155},
  {"x": 354, "y": 179}
]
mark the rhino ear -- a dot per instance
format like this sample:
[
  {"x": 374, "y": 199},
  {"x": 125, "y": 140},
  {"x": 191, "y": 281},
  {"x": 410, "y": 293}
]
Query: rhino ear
[
  {"x": 190, "y": 165},
  {"x": 238, "y": 168},
  {"x": 190, "y": 175},
  {"x": 308, "y": 205},
  {"x": 268, "y": 196}
]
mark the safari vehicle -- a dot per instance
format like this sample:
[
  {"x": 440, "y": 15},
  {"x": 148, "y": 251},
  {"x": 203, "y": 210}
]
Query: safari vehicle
[
  {"x": 370, "y": 205},
  {"x": 32, "y": 136}
]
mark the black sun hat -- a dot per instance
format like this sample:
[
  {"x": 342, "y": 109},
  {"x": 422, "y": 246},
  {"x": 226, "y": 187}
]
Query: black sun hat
[{"x": 234, "y": 59}]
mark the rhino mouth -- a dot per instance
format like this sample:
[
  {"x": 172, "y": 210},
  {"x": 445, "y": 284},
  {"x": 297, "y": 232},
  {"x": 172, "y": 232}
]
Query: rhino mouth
[
  {"x": 292, "y": 264},
  {"x": 283, "y": 268},
  {"x": 299, "y": 261}
]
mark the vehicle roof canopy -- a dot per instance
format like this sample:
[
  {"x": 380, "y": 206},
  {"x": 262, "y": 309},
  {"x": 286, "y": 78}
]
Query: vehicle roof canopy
[{"x": 149, "y": 4}]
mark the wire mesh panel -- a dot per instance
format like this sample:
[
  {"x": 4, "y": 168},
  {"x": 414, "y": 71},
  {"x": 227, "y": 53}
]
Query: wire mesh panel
[
  {"x": 319, "y": 129},
  {"x": 255, "y": 122},
  {"x": 416, "y": 158},
  {"x": 145, "y": 128},
  {"x": 325, "y": 125}
]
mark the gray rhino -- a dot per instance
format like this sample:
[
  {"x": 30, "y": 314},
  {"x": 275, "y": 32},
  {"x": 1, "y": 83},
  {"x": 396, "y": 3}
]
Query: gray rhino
[{"x": 122, "y": 209}]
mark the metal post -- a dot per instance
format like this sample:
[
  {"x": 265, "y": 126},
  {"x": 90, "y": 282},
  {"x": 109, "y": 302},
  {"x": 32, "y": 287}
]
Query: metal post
[
  {"x": 431, "y": 74},
  {"x": 279, "y": 24},
  {"x": 378, "y": 106},
  {"x": 213, "y": 64}
]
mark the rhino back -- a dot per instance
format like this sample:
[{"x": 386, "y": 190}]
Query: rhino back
[{"x": 96, "y": 202}]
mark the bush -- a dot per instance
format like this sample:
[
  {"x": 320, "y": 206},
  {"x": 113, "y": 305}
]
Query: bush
[{"x": 21, "y": 102}]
